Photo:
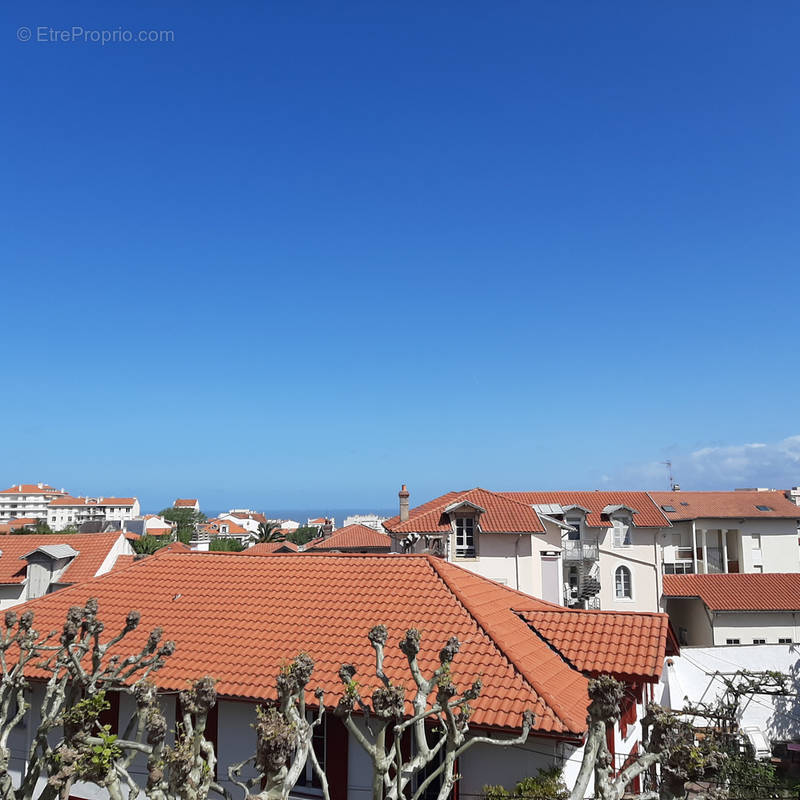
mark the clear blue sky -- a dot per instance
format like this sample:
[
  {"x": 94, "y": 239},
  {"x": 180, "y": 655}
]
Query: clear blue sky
[{"x": 308, "y": 251}]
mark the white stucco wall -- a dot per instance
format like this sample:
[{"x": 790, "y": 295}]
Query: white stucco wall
[
  {"x": 500, "y": 556},
  {"x": 641, "y": 558},
  {"x": 484, "y": 764},
  {"x": 691, "y": 675}
]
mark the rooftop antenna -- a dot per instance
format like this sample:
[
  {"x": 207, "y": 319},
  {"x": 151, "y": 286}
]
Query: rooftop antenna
[{"x": 670, "y": 478}]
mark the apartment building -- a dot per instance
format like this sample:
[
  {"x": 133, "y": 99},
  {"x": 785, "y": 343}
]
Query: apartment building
[
  {"x": 743, "y": 531},
  {"x": 66, "y": 511},
  {"x": 603, "y": 549},
  {"x": 27, "y": 500}
]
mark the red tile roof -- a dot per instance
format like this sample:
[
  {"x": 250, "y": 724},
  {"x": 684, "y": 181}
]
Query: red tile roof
[
  {"x": 254, "y": 515},
  {"x": 502, "y": 514},
  {"x": 123, "y": 561},
  {"x": 30, "y": 488},
  {"x": 354, "y": 537},
  {"x": 648, "y": 514},
  {"x": 739, "y": 592},
  {"x": 265, "y": 548},
  {"x": 93, "y": 548},
  {"x": 640, "y": 640},
  {"x": 93, "y": 501},
  {"x": 18, "y": 522},
  {"x": 720, "y": 505},
  {"x": 266, "y": 609},
  {"x": 179, "y": 503},
  {"x": 233, "y": 527}
]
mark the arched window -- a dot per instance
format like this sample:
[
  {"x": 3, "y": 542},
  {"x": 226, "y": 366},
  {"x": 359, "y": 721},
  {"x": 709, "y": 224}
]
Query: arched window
[{"x": 622, "y": 583}]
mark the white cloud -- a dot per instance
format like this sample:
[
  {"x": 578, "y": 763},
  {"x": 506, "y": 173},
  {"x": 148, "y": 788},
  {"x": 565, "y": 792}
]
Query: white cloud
[{"x": 769, "y": 464}]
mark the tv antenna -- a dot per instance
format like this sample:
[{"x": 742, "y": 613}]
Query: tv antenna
[{"x": 670, "y": 478}]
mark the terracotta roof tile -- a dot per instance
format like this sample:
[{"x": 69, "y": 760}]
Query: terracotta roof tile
[
  {"x": 721, "y": 505},
  {"x": 180, "y": 503},
  {"x": 268, "y": 608},
  {"x": 739, "y": 592},
  {"x": 265, "y": 548},
  {"x": 93, "y": 548},
  {"x": 30, "y": 488},
  {"x": 92, "y": 501},
  {"x": 502, "y": 514},
  {"x": 648, "y": 513},
  {"x": 639, "y": 640},
  {"x": 354, "y": 537}
]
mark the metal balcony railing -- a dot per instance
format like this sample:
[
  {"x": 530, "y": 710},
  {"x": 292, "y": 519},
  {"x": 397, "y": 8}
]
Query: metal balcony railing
[{"x": 579, "y": 550}]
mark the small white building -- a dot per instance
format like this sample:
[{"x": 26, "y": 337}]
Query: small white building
[
  {"x": 714, "y": 610},
  {"x": 367, "y": 520},
  {"x": 27, "y": 500},
  {"x": 486, "y": 533},
  {"x": 65, "y": 512},
  {"x": 192, "y": 503}
]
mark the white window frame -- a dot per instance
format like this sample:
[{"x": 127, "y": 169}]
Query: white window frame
[
  {"x": 619, "y": 541},
  {"x": 618, "y": 572},
  {"x": 465, "y": 538}
]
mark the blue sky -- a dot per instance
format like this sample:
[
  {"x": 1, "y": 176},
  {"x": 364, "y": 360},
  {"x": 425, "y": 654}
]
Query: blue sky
[{"x": 308, "y": 251}]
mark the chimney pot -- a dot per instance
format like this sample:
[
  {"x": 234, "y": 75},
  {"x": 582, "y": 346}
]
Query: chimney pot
[
  {"x": 676, "y": 487},
  {"x": 403, "y": 494}
]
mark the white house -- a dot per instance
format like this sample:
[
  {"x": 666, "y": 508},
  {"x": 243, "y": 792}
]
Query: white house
[
  {"x": 239, "y": 619},
  {"x": 734, "y": 609},
  {"x": 486, "y": 533},
  {"x": 747, "y": 530},
  {"x": 27, "y": 500},
  {"x": 368, "y": 520},
  {"x": 192, "y": 503},
  {"x": 610, "y": 558},
  {"x": 32, "y": 565},
  {"x": 64, "y": 512}
]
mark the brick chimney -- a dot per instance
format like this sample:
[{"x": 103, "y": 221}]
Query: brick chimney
[
  {"x": 403, "y": 495},
  {"x": 327, "y": 529}
]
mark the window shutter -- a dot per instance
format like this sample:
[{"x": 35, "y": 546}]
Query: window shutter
[{"x": 336, "y": 756}]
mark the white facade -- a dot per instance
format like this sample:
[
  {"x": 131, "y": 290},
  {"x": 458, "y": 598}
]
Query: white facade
[
  {"x": 87, "y": 509},
  {"x": 368, "y": 520},
  {"x": 695, "y": 675},
  {"x": 27, "y": 500},
  {"x": 698, "y": 626},
  {"x": 484, "y": 764},
  {"x": 731, "y": 545}
]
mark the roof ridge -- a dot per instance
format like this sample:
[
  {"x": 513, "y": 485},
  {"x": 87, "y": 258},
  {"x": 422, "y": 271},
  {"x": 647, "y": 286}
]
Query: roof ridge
[{"x": 565, "y": 714}]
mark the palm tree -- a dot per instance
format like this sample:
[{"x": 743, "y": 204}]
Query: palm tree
[{"x": 270, "y": 532}]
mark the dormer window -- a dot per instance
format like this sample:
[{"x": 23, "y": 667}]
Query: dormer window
[
  {"x": 622, "y": 534},
  {"x": 465, "y": 537}
]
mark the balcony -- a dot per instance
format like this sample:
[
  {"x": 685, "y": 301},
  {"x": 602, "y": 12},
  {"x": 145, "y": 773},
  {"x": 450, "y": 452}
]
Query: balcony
[{"x": 577, "y": 550}]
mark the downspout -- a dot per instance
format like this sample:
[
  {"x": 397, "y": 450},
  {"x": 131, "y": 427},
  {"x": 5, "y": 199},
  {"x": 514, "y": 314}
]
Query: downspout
[
  {"x": 516, "y": 561},
  {"x": 657, "y": 567}
]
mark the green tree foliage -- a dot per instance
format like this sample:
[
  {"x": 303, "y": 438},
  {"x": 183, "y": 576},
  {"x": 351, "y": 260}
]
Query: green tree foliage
[
  {"x": 187, "y": 519},
  {"x": 147, "y": 545},
  {"x": 302, "y": 535},
  {"x": 225, "y": 544},
  {"x": 547, "y": 785},
  {"x": 270, "y": 532}
]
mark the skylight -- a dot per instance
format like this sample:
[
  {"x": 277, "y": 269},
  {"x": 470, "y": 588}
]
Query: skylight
[
  {"x": 668, "y": 508},
  {"x": 684, "y": 503},
  {"x": 765, "y": 508}
]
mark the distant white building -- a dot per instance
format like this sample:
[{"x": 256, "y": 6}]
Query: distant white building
[
  {"x": 27, "y": 500},
  {"x": 367, "y": 520},
  {"x": 191, "y": 503},
  {"x": 64, "y": 512}
]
